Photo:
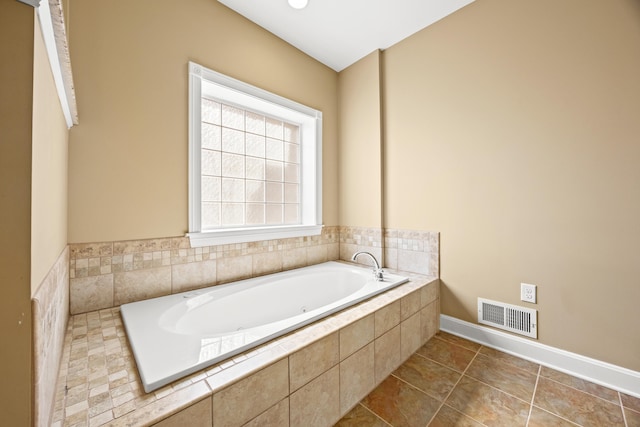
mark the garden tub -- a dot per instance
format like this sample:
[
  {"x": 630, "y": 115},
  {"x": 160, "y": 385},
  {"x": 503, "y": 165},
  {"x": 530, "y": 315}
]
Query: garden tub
[{"x": 175, "y": 335}]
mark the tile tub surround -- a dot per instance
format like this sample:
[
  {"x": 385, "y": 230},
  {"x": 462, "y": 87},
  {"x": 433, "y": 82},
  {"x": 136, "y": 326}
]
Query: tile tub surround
[
  {"x": 406, "y": 250},
  {"x": 109, "y": 274},
  {"x": 50, "y": 311},
  {"x": 309, "y": 377}
]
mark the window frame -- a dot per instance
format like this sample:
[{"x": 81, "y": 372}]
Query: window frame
[{"x": 226, "y": 89}]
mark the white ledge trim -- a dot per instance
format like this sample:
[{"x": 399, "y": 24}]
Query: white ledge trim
[
  {"x": 244, "y": 235},
  {"x": 55, "y": 40},
  {"x": 596, "y": 371}
]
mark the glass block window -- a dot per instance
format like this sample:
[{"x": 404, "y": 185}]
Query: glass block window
[
  {"x": 250, "y": 169},
  {"x": 255, "y": 162}
]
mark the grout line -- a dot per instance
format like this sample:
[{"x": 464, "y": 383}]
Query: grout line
[
  {"x": 584, "y": 391},
  {"x": 533, "y": 395},
  {"x": 374, "y": 414},
  {"x": 624, "y": 416},
  {"x": 455, "y": 385},
  {"x": 573, "y": 423}
]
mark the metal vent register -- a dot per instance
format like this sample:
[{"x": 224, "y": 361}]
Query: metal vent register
[{"x": 512, "y": 318}]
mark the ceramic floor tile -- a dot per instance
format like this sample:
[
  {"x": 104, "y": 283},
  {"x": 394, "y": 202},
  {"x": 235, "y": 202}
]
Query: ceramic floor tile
[
  {"x": 510, "y": 360},
  {"x": 488, "y": 405},
  {"x": 582, "y": 385},
  {"x": 462, "y": 342},
  {"x": 449, "y": 417},
  {"x": 432, "y": 378},
  {"x": 503, "y": 376},
  {"x": 401, "y": 405},
  {"x": 633, "y": 418},
  {"x": 630, "y": 402},
  {"x": 361, "y": 417},
  {"x": 540, "y": 418},
  {"x": 576, "y": 406},
  {"x": 447, "y": 353},
  {"x": 501, "y": 398}
]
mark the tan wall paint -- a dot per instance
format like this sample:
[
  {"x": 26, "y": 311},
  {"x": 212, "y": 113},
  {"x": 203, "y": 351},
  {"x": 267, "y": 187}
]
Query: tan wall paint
[
  {"x": 16, "y": 98},
  {"x": 128, "y": 157},
  {"x": 360, "y": 177},
  {"x": 49, "y": 169},
  {"x": 513, "y": 129}
]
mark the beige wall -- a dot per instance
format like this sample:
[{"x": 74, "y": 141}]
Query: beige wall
[
  {"x": 510, "y": 127},
  {"x": 49, "y": 169},
  {"x": 16, "y": 85},
  {"x": 513, "y": 129},
  {"x": 360, "y": 172},
  {"x": 128, "y": 157}
]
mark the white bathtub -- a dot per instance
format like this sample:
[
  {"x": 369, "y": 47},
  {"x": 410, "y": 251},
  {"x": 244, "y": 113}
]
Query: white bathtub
[{"x": 176, "y": 335}]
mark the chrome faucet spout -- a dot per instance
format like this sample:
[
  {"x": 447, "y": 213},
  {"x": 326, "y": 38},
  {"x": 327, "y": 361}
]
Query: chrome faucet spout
[{"x": 377, "y": 271}]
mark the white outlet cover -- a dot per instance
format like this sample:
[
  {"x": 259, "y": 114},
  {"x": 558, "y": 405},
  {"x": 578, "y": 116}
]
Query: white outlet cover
[{"x": 528, "y": 292}]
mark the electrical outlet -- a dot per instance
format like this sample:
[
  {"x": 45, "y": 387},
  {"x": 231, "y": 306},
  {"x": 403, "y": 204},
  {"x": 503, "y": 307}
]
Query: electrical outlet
[{"x": 528, "y": 292}]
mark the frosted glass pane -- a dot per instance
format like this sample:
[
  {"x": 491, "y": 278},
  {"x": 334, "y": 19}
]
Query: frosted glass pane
[
  {"x": 291, "y": 192},
  {"x": 291, "y": 215},
  {"x": 232, "y": 190},
  {"x": 211, "y": 163},
  {"x": 255, "y": 168},
  {"x": 210, "y": 189},
  {"x": 274, "y": 129},
  {"x": 232, "y": 165},
  {"x": 210, "y": 111},
  {"x": 274, "y": 214},
  {"x": 210, "y": 215},
  {"x": 232, "y": 117},
  {"x": 291, "y": 153},
  {"x": 275, "y": 149},
  {"x": 255, "y": 123},
  {"x": 291, "y": 133},
  {"x": 291, "y": 173},
  {"x": 255, "y": 213},
  {"x": 255, "y": 145},
  {"x": 210, "y": 136},
  {"x": 232, "y": 214},
  {"x": 274, "y": 192},
  {"x": 255, "y": 191},
  {"x": 274, "y": 171},
  {"x": 232, "y": 141}
]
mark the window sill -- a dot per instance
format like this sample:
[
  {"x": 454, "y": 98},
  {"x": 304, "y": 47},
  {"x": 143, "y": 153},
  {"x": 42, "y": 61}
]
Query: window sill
[{"x": 244, "y": 235}]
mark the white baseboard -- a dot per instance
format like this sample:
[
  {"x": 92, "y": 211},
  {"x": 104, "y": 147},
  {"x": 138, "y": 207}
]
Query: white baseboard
[{"x": 596, "y": 371}]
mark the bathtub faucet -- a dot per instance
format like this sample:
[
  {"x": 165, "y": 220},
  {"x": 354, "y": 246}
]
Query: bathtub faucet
[{"x": 377, "y": 271}]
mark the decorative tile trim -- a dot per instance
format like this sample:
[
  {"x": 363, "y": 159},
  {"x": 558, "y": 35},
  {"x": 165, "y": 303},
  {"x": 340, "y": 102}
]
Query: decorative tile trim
[
  {"x": 100, "y": 272},
  {"x": 50, "y": 311},
  {"x": 406, "y": 250},
  {"x": 361, "y": 236},
  {"x": 94, "y": 259}
]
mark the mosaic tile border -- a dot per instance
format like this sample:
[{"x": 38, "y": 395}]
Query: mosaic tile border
[
  {"x": 406, "y": 250},
  {"x": 94, "y": 259},
  {"x": 109, "y": 274}
]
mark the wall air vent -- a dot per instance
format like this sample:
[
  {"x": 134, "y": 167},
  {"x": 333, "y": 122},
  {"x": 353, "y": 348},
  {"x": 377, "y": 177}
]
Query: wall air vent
[{"x": 520, "y": 320}]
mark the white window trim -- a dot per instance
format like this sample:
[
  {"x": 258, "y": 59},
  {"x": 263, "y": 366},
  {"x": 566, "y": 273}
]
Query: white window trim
[{"x": 311, "y": 177}]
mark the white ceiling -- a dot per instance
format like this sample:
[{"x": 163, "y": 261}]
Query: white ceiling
[{"x": 340, "y": 32}]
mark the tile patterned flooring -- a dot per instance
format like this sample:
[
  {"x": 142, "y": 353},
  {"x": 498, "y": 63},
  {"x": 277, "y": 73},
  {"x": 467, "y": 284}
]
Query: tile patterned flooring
[{"x": 451, "y": 382}]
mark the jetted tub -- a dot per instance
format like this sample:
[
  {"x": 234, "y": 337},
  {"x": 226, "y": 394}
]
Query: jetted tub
[{"x": 176, "y": 335}]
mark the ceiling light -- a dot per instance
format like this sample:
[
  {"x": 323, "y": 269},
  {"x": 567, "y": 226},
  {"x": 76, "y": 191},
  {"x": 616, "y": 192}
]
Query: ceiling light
[{"x": 298, "y": 4}]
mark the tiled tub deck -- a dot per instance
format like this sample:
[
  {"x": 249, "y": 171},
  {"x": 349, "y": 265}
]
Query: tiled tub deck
[{"x": 310, "y": 377}]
